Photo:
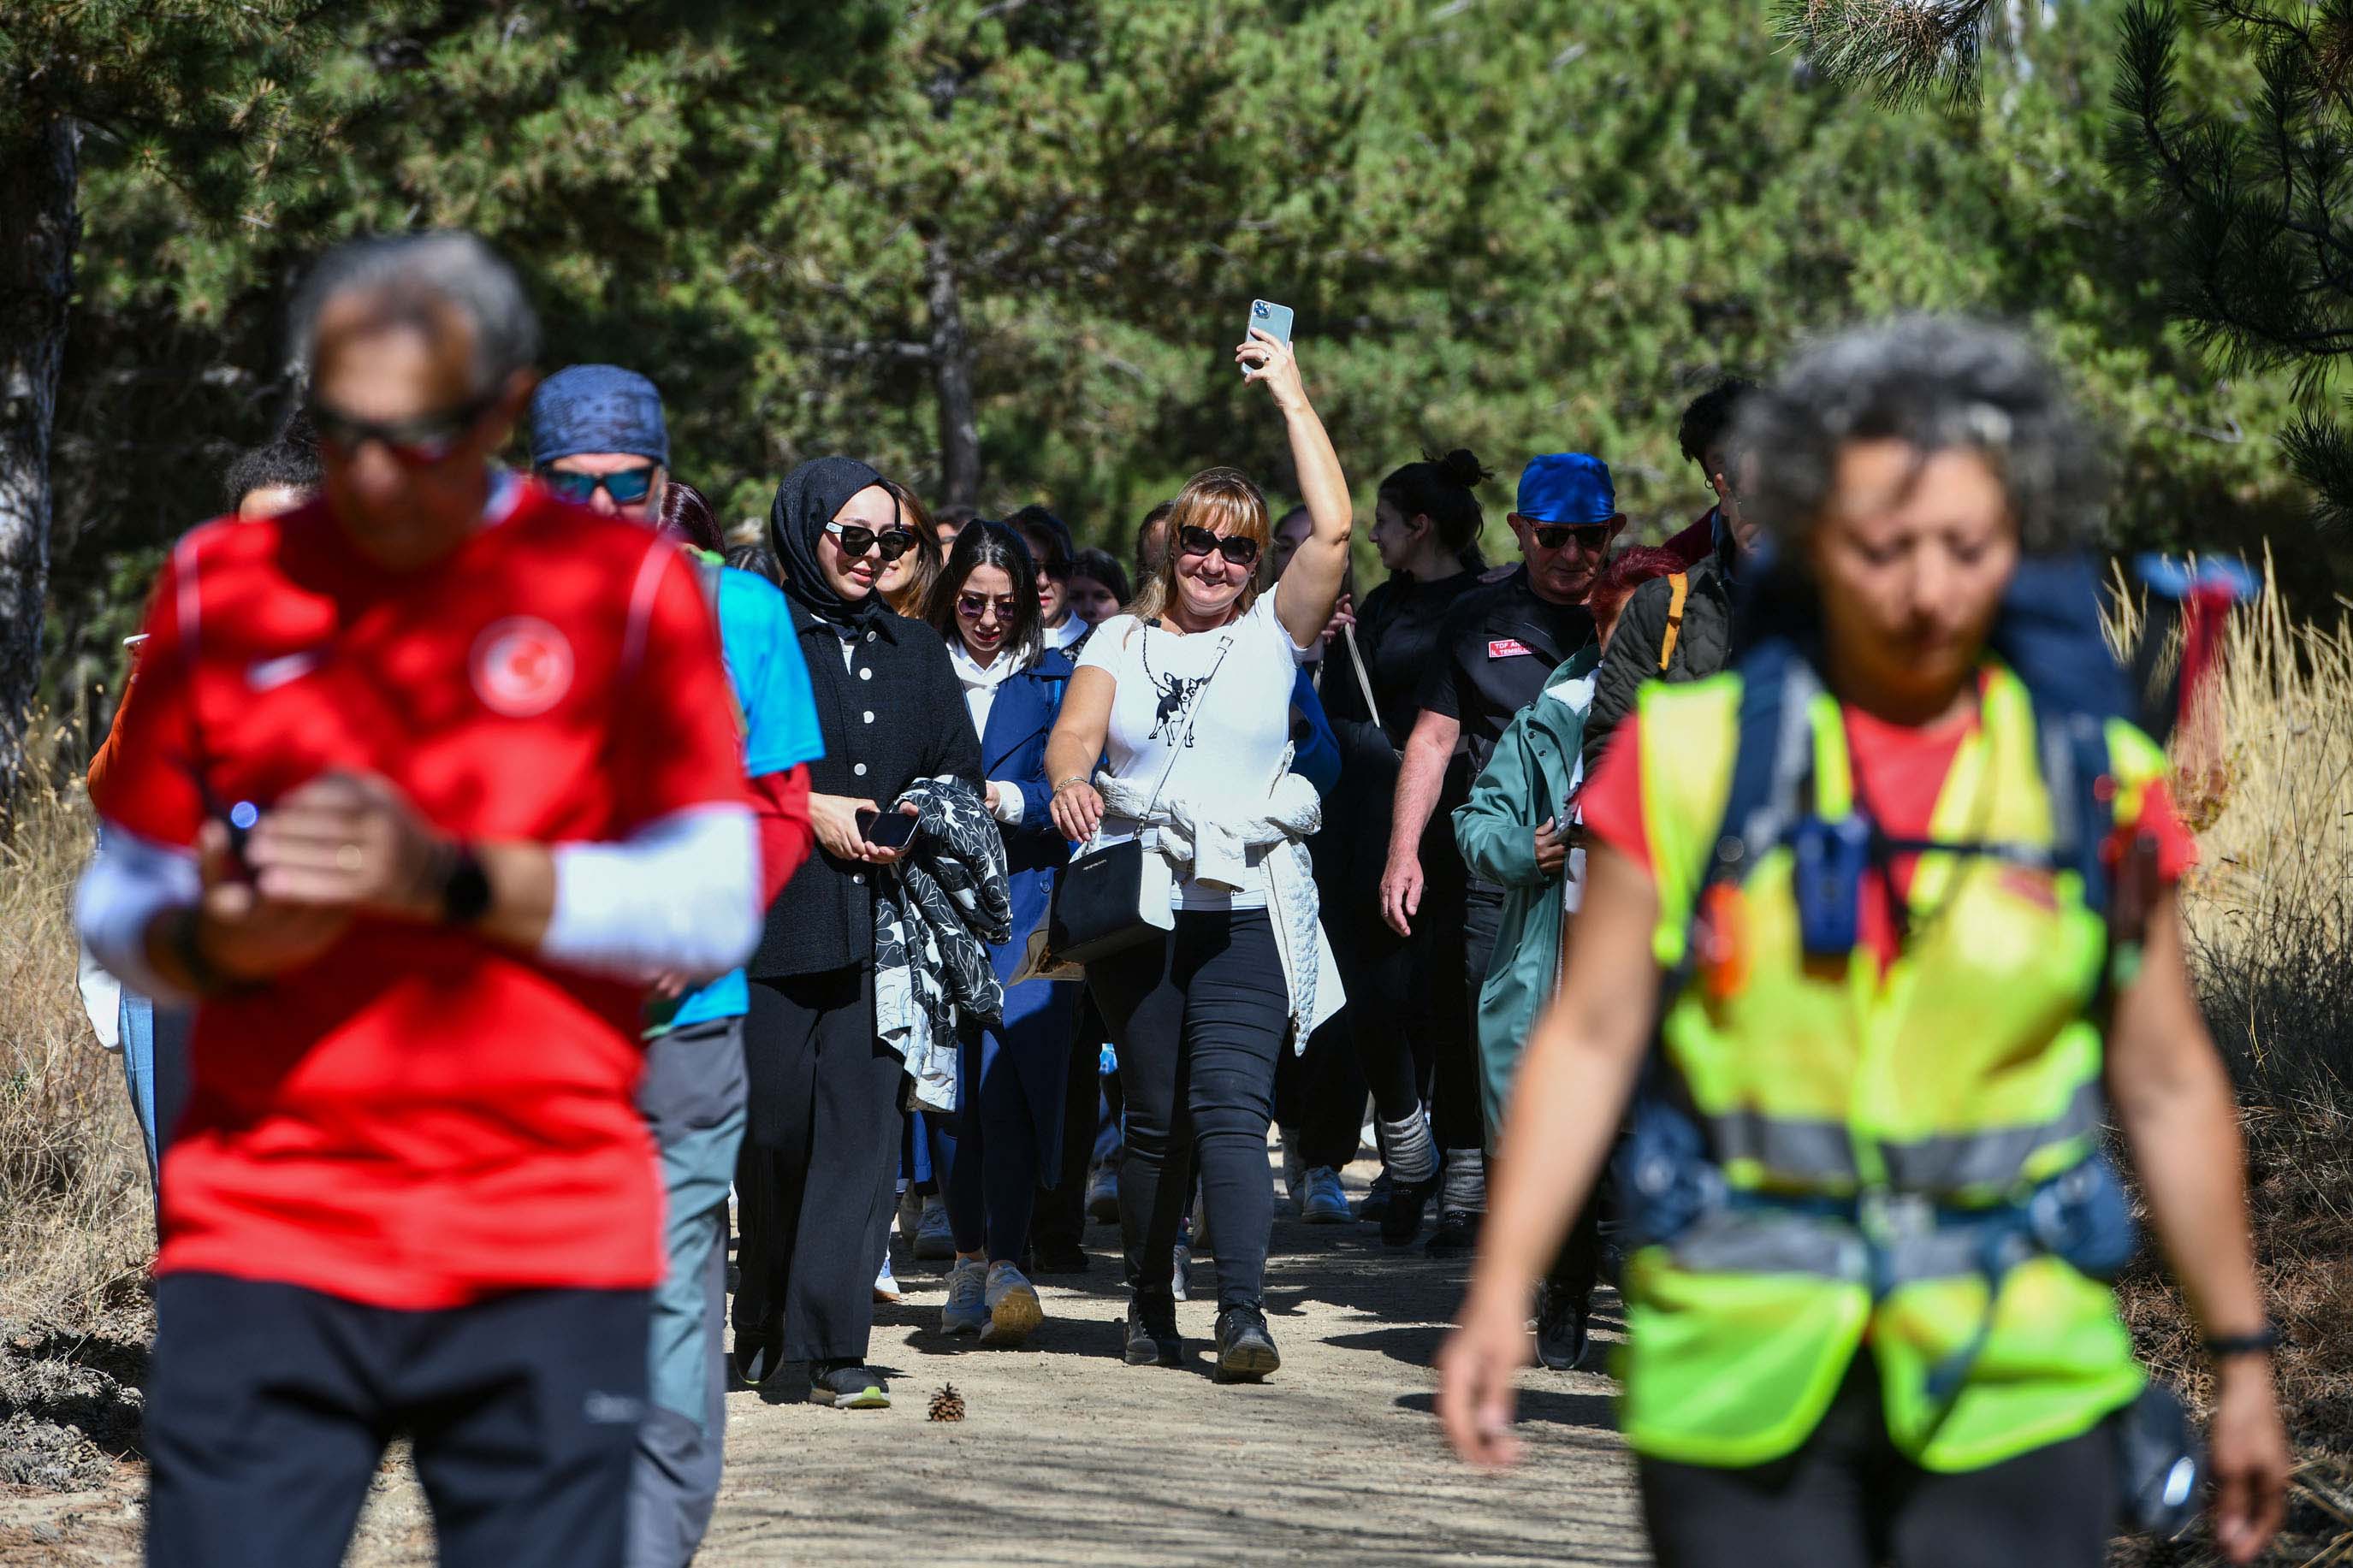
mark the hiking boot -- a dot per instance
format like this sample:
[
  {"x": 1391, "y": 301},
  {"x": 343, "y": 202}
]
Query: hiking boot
[
  {"x": 1401, "y": 1220},
  {"x": 1014, "y": 1313},
  {"x": 1456, "y": 1235},
  {"x": 968, "y": 1309},
  {"x": 1152, "y": 1338},
  {"x": 1564, "y": 1332},
  {"x": 1246, "y": 1351},
  {"x": 1375, "y": 1203},
  {"x": 1057, "y": 1257},
  {"x": 1325, "y": 1201},
  {"x": 847, "y": 1385}
]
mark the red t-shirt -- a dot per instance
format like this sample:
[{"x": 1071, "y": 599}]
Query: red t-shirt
[
  {"x": 421, "y": 1117},
  {"x": 1898, "y": 772}
]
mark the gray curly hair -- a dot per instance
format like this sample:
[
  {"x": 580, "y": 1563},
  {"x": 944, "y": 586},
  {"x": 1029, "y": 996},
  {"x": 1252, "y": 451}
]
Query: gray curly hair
[{"x": 1935, "y": 383}]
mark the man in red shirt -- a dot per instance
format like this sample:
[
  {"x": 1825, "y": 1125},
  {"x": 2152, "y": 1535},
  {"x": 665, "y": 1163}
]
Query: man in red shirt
[{"x": 425, "y": 779}]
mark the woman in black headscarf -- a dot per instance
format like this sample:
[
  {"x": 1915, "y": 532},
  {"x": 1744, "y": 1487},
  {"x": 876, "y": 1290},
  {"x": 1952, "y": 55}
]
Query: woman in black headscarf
[{"x": 814, "y": 1182}]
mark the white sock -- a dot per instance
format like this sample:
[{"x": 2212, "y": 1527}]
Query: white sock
[
  {"x": 1407, "y": 1148},
  {"x": 1464, "y": 1190}
]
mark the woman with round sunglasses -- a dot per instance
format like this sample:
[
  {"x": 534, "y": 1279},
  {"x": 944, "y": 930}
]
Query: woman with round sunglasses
[
  {"x": 1186, "y": 704},
  {"x": 821, "y": 1149},
  {"x": 1008, "y": 1134},
  {"x": 1880, "y": 933}
]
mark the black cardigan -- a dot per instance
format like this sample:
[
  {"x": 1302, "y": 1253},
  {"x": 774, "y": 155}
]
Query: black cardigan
[{"x": 895, "y": 714}]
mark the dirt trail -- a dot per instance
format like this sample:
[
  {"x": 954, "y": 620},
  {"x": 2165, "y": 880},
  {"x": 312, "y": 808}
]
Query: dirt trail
[{"x": 1066, "y": 1455}]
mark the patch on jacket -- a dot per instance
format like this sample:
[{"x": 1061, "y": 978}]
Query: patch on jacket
[{"x": 1509, "y": 648}]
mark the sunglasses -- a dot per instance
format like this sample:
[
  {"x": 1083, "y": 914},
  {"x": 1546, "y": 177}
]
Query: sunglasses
[
  {"x": 1560, "y": 535},
  {"x": 1059, "y": 571},
  {"x": 857, "y": 539},
  {"x": 1236, "y": 550},
  {"x": 971, "y": 607},
  {"x": 416, "y": 443},
  {"x": 627, "y": 487}
]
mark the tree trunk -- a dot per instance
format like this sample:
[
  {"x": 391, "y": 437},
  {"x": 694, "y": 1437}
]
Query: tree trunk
[
  {"x": 36, "y": 250},
  {"x": 950, "y": 359}
]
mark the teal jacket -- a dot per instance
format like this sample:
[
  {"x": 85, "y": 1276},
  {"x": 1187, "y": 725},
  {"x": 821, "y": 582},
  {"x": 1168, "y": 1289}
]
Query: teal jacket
[{"x": 1525, "y": 784}]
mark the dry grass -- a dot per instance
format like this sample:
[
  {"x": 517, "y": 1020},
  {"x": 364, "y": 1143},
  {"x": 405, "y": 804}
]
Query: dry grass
[
  {"x": 2266, "y": 774},
  {"x": 75, "y": 1222}
]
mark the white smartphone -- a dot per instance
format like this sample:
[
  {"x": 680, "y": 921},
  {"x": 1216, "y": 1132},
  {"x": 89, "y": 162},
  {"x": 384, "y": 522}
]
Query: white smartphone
[{"x": 1271, "y": 318}]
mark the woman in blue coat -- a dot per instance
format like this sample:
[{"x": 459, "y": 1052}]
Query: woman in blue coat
[{"x": 1009, "y": 1121}]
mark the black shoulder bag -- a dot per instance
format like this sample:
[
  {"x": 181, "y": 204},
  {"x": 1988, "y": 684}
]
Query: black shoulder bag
[{"x": 1103, "y": 901}]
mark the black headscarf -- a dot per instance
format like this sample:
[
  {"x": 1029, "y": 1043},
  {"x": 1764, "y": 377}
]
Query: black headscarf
[{"x": 805, "y": 503}]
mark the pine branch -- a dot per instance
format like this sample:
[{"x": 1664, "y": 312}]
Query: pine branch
[{"x": 1903, "y": 50}]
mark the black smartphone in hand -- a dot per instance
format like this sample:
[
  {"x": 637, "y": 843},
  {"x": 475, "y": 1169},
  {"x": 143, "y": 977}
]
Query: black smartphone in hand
[{"x": 886, "y": 829}]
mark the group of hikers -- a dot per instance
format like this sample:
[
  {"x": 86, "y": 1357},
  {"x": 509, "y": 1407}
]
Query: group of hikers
[{"x": 520, "y": 892}]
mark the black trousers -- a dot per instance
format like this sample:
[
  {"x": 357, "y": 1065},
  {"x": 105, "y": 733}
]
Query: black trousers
[
  {"x": 1319, "y": 1095},
  {"x": 1457, "y": 1118},
  {"x": 813, "y": 1181},
  {"x": 1059, "y": 1219},
  {"x": 1198, "y": 1017},
  {"x": 1847, "y": 1498},
  {"x": 269, "y": 1405}
]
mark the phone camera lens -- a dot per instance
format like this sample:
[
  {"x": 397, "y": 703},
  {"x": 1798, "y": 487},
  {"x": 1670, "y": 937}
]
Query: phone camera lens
[{"x": 1258, "y": 309}]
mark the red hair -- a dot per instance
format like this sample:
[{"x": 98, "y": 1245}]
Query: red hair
[{"x": 1630, "y": 571}]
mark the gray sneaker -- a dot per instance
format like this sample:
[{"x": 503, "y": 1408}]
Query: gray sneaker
[
  {"x": 934, "y": 1236},
  {"x": 968, "y": 1309},
  {"x": 1325, "y": 1202},
  {"x": 1013, "y": 1309}
]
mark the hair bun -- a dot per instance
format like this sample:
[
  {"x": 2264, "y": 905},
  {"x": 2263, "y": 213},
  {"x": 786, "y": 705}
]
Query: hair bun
[{"x": 1462, "y": 468}]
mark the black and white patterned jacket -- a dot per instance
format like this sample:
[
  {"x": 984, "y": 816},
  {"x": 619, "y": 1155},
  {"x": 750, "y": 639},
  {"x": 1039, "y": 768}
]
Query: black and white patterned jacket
[{"x": 934, "y": 921}]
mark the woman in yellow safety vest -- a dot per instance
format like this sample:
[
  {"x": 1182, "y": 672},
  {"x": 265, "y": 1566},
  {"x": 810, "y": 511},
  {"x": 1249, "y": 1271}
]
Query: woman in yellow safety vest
[{"x": 1877, "y": 933}]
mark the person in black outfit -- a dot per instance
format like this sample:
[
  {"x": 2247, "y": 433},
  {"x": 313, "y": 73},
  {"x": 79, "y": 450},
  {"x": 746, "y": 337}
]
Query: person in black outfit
[
  {"x": 813, "y": 1180},
  {"x": 1426, "y": 525},
  {"x": 1495, "y": 653}
]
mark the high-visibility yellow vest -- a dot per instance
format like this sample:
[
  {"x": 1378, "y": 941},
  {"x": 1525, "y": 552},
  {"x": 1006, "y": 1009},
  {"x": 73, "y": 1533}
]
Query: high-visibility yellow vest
[{"x": 1852, "y": 1115}]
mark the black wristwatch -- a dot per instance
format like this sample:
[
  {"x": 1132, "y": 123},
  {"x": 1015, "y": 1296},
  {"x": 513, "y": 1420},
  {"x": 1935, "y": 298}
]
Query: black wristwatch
[{"x": 465, "y": 888}]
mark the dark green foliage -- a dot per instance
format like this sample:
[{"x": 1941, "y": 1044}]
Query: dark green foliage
[{"x": 1517, "y": 226}]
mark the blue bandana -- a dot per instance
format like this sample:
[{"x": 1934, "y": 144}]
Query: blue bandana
[{"x": 597, "y": 408}]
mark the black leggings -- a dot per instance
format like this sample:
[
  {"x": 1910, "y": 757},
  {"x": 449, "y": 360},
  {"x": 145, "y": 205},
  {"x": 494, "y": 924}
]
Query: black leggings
[
  {"x": 1847, "y": 1498},
  {"x": 1199, "y": 1017}
]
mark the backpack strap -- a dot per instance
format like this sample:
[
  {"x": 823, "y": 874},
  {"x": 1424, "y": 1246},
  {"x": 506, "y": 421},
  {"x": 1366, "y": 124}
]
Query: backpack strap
[{"x": 1679, "y": 588}]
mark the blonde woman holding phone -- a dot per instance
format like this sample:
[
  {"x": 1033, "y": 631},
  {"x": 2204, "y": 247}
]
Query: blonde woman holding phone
[{"x": 1186, "y": 702}]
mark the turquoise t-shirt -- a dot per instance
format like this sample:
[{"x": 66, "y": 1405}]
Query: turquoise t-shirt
[{"x": 780, "y": 729}]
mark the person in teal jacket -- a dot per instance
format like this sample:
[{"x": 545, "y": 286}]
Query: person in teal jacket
[{"x": 1514, "y": 831}]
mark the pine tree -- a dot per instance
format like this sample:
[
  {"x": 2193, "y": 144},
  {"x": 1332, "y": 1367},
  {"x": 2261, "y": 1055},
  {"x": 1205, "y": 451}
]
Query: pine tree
[
  {"x": 2249, "y": 203},
  {"x": 190, "y": 91}
]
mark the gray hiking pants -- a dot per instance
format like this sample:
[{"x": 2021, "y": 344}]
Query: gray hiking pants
[{"x": 692, "y": 1098}]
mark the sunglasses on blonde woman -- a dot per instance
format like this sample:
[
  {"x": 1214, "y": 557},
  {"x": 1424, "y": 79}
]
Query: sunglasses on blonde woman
[{"x": 1236, "y": 550}]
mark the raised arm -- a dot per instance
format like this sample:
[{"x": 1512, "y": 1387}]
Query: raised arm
[
  {"x": 1311, "y": 583},
  {"x": 2174, "y": 1104}
]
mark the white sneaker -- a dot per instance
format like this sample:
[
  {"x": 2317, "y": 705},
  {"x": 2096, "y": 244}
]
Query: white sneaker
[
  {"x": 1325, "y": 1201},
  {"x": 886, "y": 1284},
  {"x": 966, "y": 1312},
  {"x": 935, "y": 1237},
  {"x": 1013, "y": 1309},
  {"x": 1103, "y": 1192}
]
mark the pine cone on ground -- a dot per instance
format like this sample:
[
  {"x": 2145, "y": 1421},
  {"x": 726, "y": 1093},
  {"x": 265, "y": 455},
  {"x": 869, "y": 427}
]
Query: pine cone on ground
[{"x": 947, "y": 1404}]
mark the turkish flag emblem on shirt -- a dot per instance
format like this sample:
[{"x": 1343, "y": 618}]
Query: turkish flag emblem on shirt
[
  {"x": 522, "y": 667},
  {"x": 1509, "y": 648}
]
